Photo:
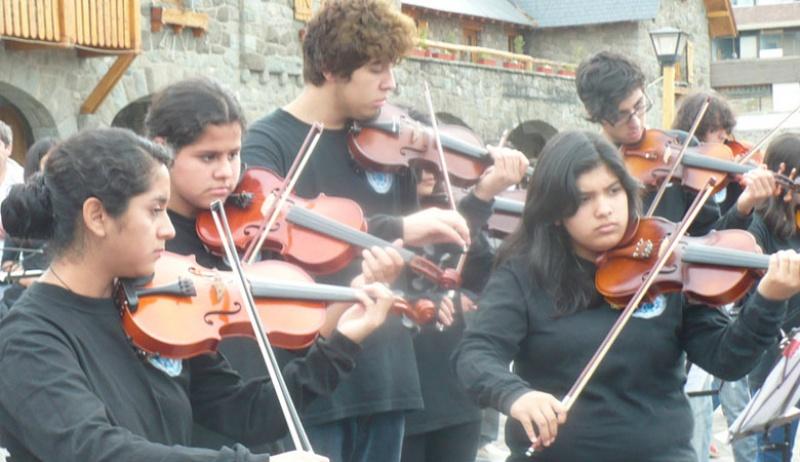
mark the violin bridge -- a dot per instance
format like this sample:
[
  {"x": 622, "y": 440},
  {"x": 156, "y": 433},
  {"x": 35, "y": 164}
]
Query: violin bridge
[
  {"x": 643, "y": 249},
  {"x": 667, "y": 154}
]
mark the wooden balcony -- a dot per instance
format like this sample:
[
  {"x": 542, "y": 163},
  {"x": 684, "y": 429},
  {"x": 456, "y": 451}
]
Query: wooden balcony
[
  {"x": 92, "y": 27},
  {"x": 492, "y": 58},
  {"x": 721, "y": 22}
]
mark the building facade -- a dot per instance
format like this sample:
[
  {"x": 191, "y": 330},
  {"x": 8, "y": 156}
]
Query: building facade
[
  {"x": 55, "y": 88},
  {"x": 759, "y": 70}
]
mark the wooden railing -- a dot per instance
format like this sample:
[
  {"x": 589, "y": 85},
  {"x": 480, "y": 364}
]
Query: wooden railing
[
  {"x": 479, "y": 55},
  {"x": 111, "y": 25}
]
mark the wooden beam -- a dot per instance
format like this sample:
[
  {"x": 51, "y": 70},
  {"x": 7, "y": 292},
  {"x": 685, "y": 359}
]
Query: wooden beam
[
  {"x": 177, "y": 18},
  {"x": 107, "y": 83}
]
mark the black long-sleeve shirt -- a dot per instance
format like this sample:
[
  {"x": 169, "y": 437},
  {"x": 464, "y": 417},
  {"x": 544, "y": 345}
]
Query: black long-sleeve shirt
[
  {"x": 446, "y": 402},
  {"x": 770, "y": 243},
  {"x": 73, "y": 388},
  {"x": 385, "y": 378},
  {"x": 634, "y": 407}
]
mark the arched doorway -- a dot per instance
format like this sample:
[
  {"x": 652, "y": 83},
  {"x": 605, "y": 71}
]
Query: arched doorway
[
  {"x": 20, "y": 129},
  {"x": 28, "y": 118},
  {"x": 531, "y": 136},
  {"x": 132, "y": 116}
]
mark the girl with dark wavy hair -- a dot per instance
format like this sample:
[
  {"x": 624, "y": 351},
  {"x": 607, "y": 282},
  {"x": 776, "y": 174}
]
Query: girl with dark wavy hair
[
  {"x": 541, "y": 310},
  {"x": 72, "y": 385}
]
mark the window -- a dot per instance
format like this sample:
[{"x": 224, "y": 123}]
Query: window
[
  {"x": 748, "y": 100},
  {"x": 725, "y": 48},
  {"x": 791, "y": 42},
  {"x": 472, "y": 35},
  {"x": 748, "y": 46},
  {"x": 770, "y": 44},
  {"x": 684, "y": 71}
]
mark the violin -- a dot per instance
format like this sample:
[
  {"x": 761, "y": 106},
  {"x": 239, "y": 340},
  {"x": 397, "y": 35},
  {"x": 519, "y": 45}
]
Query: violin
[
  {"x": 320, "y": 235},
  {"x": 506, "y": 213},
  {"x": 393, "y": 140},
  {"x": 742, "y": 148},
  {"x": 651, "y": 159},
  {"x": 315, "y": 251},
  {"x": 715, "y": 269},
  {"x": 506, "y": 209},
  {"x": 184, "y": 310}
]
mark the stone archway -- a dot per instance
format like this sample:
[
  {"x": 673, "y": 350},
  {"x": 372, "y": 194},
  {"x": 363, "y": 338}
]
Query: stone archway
[
  {"x": 29, "y": 119},
  {"x": 531, "y": 136},
  {"x": 133, "y": 115}
]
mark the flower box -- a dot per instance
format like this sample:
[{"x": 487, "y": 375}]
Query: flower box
[
  {"x": 420, "y": 53},
  {"x": 444, "y": 55},
  {"x": 513, "y": 65}
]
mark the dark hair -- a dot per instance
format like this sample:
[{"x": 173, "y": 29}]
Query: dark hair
[
  {"x": 718, "y": 115},
  {"x": 552, "y": 196},
  {"x": 346, "y": 34},
  {"x": 33, "y": 158},
  {"x": 603, "y": 81},
  {"x": 180, "y": 112},
  {"x": 111, "y": 164},
  {"x": 779, "y": 216}
]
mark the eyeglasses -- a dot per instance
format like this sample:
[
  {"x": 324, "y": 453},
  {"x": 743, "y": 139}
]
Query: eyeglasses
[{"x": 624, "y": 117}]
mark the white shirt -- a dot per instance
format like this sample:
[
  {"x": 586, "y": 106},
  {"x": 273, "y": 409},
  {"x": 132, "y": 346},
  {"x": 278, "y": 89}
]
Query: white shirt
[{"x": 14, "y": 175}]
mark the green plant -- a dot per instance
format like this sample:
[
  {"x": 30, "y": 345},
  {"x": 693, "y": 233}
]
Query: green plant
[
  {"x": 451, "y": 37},
  {"x": 519, "y": 44},
  {"x": 423, "y": 38}
]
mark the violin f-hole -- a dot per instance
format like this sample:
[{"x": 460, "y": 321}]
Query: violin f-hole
[{"x": 237, "y": 307}]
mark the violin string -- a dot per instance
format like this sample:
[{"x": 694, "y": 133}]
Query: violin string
[
  {"x": 678, "y": 159},
  {"x": 252, "y": 253}
]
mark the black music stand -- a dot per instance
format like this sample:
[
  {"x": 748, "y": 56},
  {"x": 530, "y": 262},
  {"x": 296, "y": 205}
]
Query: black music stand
[{"x": 774, "y": 404}]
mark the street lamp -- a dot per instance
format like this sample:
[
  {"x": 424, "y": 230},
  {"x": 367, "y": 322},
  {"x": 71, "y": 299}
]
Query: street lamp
[{"x": 668, "y": 43}]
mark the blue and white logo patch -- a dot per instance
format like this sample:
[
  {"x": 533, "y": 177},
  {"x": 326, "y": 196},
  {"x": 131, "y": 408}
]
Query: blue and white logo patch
[
  {"x": 171, "y": 367},
  {"x": 381, "y": 182},
  {"x": 648, "y": 310},
  {"x": 721, "y": 196}
]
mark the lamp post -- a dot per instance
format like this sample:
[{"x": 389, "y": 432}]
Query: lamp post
[{"x": 668, "y": 43}]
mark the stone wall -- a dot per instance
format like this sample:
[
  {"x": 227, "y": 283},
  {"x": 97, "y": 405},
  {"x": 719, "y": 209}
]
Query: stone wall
[
  {"x": 253, "y": 47},
  {"x": 573, "y": 44},
  {"x": 450, "y": 29},
  {"x": 490, "y": 100}
]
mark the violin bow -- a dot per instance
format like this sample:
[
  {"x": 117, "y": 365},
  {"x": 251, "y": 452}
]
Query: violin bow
[
  {"x": 663, "y": 187},
  {"x": 767, "y": 136},
  {"x": 448, "y": 186},
  {"x": 296, "y": 429},
  {"x": 600, "y": 354},
  {"x": 300, "y": 161}
]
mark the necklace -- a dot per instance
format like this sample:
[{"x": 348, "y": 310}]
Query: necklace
[{"x": 66, "y": 286}]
